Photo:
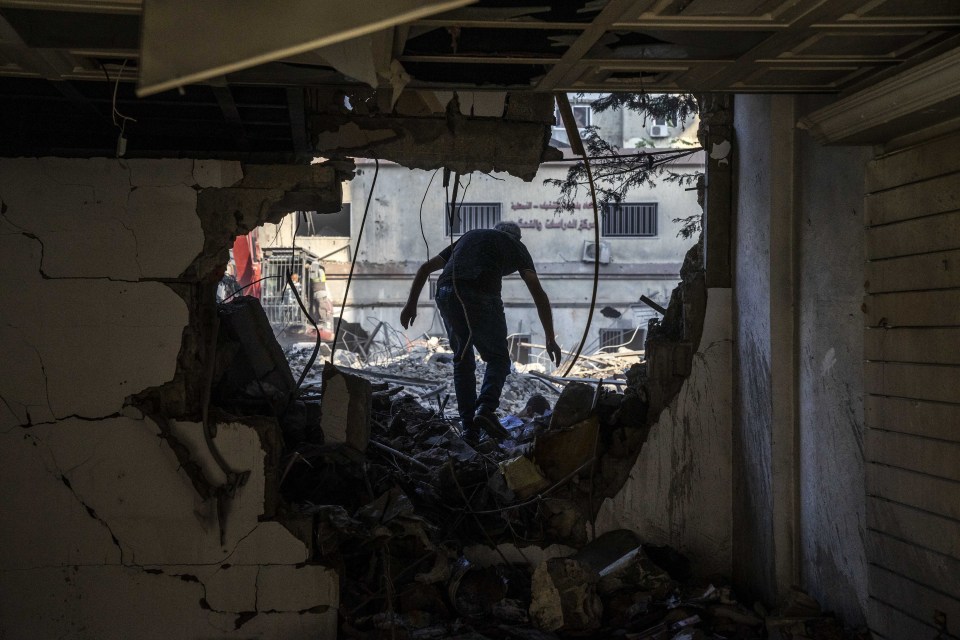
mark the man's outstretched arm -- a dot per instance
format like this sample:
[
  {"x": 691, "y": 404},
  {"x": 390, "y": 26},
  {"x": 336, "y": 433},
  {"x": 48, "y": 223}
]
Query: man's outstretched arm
[
  {"x": 543, "y": 310},
  {"x": 409, "y": 312}
]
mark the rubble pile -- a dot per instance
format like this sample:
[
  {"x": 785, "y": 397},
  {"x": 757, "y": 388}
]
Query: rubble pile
[
  {"x": 425, "y": 369},
  {"x": 376, "y": 479}
]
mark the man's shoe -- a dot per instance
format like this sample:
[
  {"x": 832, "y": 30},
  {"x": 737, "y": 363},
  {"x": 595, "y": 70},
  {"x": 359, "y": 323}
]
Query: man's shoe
[
  {"x": 488, "y": 421},
  {"x": 471, "y": 435}
]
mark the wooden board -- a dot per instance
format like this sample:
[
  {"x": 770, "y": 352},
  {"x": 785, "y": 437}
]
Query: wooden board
[
  {"x": 922, "y": 602},
  {"x": 937, "y": 195},
  {"x": 932, "y": 419},
  {"x": 939, "y": 308},
  {"x": 932, "y": 532},
  {"x": 934, "y": 345},
  {"x": 929, "y": 160},
  {"x": 907, "y": 451},
  {"x": 935, "y": 495},
  {"x": 926, "y": 567},
  {"x": 939, "y": 232},
  {"x": 939, "y": 270},
  {"x": 939, "y": 383},
  {"x": 887, "y": 623}
]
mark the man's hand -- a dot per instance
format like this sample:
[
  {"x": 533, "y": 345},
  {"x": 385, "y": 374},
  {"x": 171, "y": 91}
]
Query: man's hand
[
  {"x": 408, "y": 315},
  {"x": 554, "y": 350}
]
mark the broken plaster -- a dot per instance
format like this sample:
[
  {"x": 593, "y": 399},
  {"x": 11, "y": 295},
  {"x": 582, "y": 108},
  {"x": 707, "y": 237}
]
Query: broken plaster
[
  {"x": 107, "y": 492},
  {"x": 124, "y": 602},
  {"x": 679, "y": 489}
]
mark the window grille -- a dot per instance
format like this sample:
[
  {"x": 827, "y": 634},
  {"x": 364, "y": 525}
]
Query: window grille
[
  {"x": 630, "y": 220},
  {"x": 470, "y": 216}
]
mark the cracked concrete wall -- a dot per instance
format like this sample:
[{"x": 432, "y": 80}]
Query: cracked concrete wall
[
  {"x": 104, "y": 534},
  {"x": 679, "y": 489}
]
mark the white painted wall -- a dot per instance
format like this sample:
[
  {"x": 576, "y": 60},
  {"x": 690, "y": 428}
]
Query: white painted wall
[
  {"x": 103, "y": 535},
  {"x": 679, "y": 490}
]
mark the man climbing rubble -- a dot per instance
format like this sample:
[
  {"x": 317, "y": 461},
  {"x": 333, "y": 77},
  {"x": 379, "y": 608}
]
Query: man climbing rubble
[{"x": 468, "y": 296}]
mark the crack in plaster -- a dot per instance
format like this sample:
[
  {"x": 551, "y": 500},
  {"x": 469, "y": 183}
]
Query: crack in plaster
[
  {"x": 60, "y": 475},
  {"x": 256, "y": 590},
  {"x": 3, "y": 212},
  {"x": 46, "y": 388},
  {"x": 136, "y": 243},
  {"x": 93, "y": 514},
  {"x": 46, "y": 276},
  {"x": 14, "y": 414},
  {"x": 46, "y": 383}
]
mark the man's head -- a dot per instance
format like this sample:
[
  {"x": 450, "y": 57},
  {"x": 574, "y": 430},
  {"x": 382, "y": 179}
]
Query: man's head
[{"x": 509, "y": 227}]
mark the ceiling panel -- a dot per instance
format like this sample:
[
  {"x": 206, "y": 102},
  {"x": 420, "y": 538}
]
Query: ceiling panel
[{"x": 77, "y": 48}]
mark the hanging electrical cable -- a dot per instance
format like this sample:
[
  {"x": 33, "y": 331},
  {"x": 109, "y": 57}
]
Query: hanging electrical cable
[
  {"x": 422, "y": 232},
  {"x": 573, "y": 134},
  {"x": 353, "y": 261}
]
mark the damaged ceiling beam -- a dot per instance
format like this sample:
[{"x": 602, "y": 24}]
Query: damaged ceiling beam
[{"x": 419, "y": 137}]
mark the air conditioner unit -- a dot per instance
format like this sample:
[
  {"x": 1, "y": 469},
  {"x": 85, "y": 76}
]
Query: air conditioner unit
[
  {"x": 659, "y": 131},
  {"x": 590, "y": 252}
]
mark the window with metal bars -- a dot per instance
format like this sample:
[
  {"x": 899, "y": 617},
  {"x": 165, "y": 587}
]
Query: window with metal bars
[
  {"x": 630, "y": 220},
  {"x": 613, "y": 338},
  {"x": 472, "y": 215}
]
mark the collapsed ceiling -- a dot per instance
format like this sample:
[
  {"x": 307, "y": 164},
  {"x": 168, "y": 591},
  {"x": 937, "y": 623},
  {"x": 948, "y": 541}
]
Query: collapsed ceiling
[{"x": 69, "y": 68}]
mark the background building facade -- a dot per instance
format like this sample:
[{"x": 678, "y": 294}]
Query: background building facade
[{"x": 640, "y": 250}]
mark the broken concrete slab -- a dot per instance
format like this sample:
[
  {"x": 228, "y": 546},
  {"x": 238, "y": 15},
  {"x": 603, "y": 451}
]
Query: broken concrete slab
[
  {"x": 564, "y": 596},
  {"x": 560, "y": 453},
  {"x": 574, "y": 405},
  {"x": 523, "y": 477},
  {"x": 608, "y": 548},
  {"x": 516, "y": 143},
  {"x": 250, "y": 362},
  {"x": 345, "y": 408}
]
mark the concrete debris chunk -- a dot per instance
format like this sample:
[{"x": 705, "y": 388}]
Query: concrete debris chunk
[
  {"x": 574, "y": 405},
  {"x": 345, "y": 408},
  {"x": 523, "y": 477},
  {"x": 564, "y": 596},
  {"x": 249, "y": 359},
  {"x": 560, "y": 453}
]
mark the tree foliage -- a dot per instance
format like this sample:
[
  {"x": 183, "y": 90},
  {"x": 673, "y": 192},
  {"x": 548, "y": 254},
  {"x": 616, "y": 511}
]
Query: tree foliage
[{"x": 615, "y": 173}]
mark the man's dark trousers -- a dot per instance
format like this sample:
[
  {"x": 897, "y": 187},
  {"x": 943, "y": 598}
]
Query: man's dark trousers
[{"x": 474, "y": 318}]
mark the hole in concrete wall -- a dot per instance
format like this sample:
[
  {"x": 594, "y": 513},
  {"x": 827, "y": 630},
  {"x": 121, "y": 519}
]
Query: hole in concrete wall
[
  {"x": 244, "y": 373},
  {"x": 363, "y": 462}
]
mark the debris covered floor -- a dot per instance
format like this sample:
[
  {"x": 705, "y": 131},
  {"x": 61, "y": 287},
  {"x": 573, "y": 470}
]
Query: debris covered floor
[{"x": 433, "y": 538}]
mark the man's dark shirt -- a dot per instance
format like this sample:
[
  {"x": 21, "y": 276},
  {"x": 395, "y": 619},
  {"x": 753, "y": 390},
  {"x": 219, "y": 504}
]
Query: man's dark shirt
[{"x": 480, "y": 259}]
